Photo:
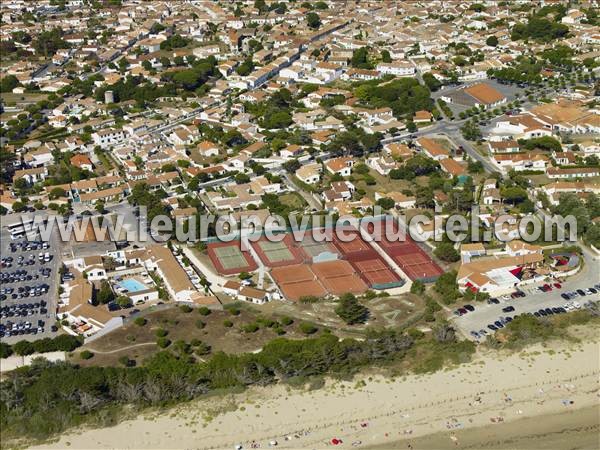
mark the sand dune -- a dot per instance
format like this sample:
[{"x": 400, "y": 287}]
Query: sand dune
[{"x": 481, "y": 397}]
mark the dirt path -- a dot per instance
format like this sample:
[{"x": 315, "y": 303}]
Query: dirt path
[{"x": 120, "y": 349}]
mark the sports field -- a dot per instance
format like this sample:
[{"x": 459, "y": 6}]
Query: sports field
[
  {"x": 228, "y": 258},
  {"x": 339, "y": 277},
  {"x": 313, "y": 248},
  {"x": 278, "y": 253},
  {"x": 297, "y": 281},
  {"x": 409, "y": 256}
]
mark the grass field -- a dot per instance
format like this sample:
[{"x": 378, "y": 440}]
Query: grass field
[
  {"x": 139, "y": 342},
  {"x": 382, "y": 184},
  {"x": 386, "y": 312},
  {"x": 293, "y": 200},
  {"x": 9, "y": 97}
]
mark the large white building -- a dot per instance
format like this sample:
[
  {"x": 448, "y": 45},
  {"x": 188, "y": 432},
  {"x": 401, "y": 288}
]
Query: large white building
[{"x": 398, "y": 68}]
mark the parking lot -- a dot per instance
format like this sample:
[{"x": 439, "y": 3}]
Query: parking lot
[
  {"x": 485, "y": 314},
  {"x": 28, "y": 288}
]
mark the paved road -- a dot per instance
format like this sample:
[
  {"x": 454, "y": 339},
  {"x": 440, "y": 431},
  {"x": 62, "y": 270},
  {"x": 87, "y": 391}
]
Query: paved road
[{"x": 485, "y": 314}]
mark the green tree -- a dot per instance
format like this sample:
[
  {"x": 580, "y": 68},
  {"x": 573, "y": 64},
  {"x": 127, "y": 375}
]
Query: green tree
[
  {"x": 471, "y": 131},
  {"x": 359, "y": 59},
  {"x": 417, "y": 287},
  {"x": 8, "y": 83},
  {"x": 313, "y": 20},
  {"x": 105, "y": 294},
  {"x": 446, "y": 286},
  {"x": 124, "y": 302},
  {"x": 492, "y": 41},
  {"x": 5, "y": 350},
  {"x": 351, "y": 311},
  {"x": 431, "y": 81},
  {"x": 386, "y": 203},
  {"x": 446, "y": 252},
  {"x": 23, "y": 348}
]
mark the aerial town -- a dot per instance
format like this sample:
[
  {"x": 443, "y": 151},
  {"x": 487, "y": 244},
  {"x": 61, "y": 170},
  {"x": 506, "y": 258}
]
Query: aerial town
[{"x": 120, "y": 112}]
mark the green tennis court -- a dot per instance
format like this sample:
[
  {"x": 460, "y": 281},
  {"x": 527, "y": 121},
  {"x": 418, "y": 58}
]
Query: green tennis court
[
  {"x": 276, "y": 251},
  {"x": 230, "y": 257}
]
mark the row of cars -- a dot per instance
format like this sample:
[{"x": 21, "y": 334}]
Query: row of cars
[
  {"x": 22, "y": 328},
  {"x": 465, "y": 309},
  {"x": 581, "y": 292},
  {"x": 23, "y": 292},
  {"x": 27, "y": 246},
  {"x": 21, "y": 261},
  {"x": 23, "y": 309},
  {"x": 23, "y": 275}
]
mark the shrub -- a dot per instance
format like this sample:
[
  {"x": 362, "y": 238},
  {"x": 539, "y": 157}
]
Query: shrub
[
  {"x": 201, "y": 348},
  {"x": 163, "y": 342},
  {"x": 233, "y": 311},
  {"x": 309, "y": 299},
  {"x": 125, "y": 361},
  {"x": 161, "y": 332},
  {"x": 204, "y": 311},
  {"x": 308, "y": 328},
  {"x": 227, "y": 323},
  {"x": 140, "y": 321},
  {"x": 182, "y": 347},
  {"x": 286, "y": 321},
  {"x": 250, "y": 328},
  {"x": 86, "y": 354},
  {"x": 200, "y": 324},
  {"x": 185, "y": 309}
]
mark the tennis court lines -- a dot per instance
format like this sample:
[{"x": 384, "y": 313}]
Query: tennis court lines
[
  {"x": 277, "y": 253},
  {"x": 229, "y": 259}
]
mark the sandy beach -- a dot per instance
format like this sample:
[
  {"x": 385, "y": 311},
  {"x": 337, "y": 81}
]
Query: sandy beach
[{"x": 537, "y": 398}]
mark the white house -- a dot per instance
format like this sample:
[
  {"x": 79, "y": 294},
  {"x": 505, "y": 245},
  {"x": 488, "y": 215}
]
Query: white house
[
  {"x": 397, "y": 68},
  {"x": 107, "y": 137}
]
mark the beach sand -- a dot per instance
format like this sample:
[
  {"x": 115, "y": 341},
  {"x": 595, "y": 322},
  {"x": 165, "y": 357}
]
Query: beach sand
[
  {"x": 544, "y": 397},
  {"x": 575, "y": 429}
]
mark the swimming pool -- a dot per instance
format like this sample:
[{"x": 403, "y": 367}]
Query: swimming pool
[{"x": 132, "y": 285}]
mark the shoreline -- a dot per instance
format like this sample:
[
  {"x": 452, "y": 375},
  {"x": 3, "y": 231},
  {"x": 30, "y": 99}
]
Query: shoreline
[
  {"x": 571, "y": 429},
  {"x": 490, "y": 393}
]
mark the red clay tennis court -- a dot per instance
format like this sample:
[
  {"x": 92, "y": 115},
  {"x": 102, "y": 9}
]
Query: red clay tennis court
[
  {"x": 228, "y": 258},
  {"x": 386, "y": 234},
  {"x": 297, "y": 281},
  {"x": 411, "y": 258},
  {"x": 339, "y": 277},
  {"x": 376, "y": 272},
  {"x": 278, "y": 253},
  {"x": 418, "y": 266},
  {"x": 355, "y": 245}
]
